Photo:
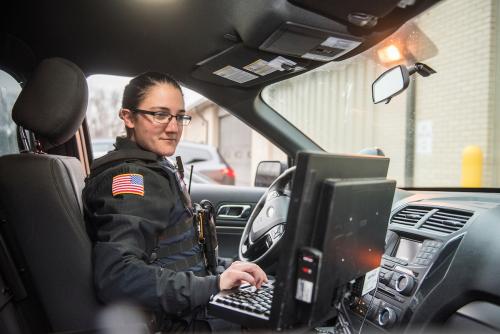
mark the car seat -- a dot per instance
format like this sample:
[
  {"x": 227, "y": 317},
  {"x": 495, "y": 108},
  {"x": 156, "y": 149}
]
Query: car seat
[{"x": 40, "y": 198}]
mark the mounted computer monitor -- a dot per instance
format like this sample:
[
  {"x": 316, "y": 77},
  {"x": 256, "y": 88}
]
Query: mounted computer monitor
[{"x": 327, "y": 190}]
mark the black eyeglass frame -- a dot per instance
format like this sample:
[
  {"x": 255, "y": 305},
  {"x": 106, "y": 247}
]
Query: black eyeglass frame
[{"x": 180, "y": 119}]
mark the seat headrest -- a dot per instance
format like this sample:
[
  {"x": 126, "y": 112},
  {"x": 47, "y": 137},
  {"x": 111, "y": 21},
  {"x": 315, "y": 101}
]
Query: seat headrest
[{"x": 53, "y": 102}]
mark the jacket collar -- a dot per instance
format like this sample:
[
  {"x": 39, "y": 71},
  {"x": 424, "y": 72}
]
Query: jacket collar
[
  {"x": 131, "y": 147},
  {"x": 124, "y": 143}
]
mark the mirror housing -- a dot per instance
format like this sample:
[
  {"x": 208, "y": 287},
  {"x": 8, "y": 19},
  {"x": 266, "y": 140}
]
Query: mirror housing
[{"x": 267, "y": 172}]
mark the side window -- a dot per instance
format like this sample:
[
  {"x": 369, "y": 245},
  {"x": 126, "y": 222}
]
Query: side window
[
  {"x": 9, "y": 91},
  {"x": 192, "y": 154},
  {"x": 221, "y": 148}
]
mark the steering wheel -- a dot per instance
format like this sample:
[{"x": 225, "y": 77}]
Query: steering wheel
[{"x": 266, "y": 224}]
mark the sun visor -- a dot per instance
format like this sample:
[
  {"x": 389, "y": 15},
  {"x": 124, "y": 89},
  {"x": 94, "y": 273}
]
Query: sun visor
[
  {"x": 246, "y": 67},
  {"x": 306, "y": 42}
]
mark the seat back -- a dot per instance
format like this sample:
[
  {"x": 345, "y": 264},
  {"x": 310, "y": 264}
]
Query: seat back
[{"x": 40, "y": 195}]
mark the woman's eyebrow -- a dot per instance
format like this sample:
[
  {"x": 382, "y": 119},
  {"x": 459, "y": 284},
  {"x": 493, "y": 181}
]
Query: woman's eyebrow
[
  {"x": 181, "y": 111},
  {"x": 161, "y": 109}
]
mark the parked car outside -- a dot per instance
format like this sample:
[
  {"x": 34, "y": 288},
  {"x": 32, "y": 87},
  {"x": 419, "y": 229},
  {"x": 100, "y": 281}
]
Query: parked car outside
[
  {"x": 197, "y": 178},
  {"x": 205, "y": 160},
  {"x": 208, "y": 165}
]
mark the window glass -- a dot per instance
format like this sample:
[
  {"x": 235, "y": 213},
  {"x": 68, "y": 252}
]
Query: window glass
[
  {"x": 221, "y": 148},
  {"x": 443, "y": 131},
  {"x": 9, "y": 91},
  {"x": 190, "y": 154}
]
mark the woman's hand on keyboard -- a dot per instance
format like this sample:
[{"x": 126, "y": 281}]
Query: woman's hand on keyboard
[{"x": 241, "y": 272}]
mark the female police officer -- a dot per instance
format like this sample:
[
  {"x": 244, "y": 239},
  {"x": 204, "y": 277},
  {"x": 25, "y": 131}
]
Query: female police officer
[{"x": 135, "y": 205}]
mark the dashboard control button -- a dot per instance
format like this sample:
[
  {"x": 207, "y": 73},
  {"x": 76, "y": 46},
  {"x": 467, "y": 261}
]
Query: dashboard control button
[
  {"x": 423, "y": 262},
  {"x": 387, "y": 317},
  {"x": 404, "y": 284},
  {"x": 386, "y": 279}
]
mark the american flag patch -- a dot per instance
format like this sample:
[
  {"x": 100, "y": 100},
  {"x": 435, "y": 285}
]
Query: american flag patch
[{"x": 128, "y": 184}]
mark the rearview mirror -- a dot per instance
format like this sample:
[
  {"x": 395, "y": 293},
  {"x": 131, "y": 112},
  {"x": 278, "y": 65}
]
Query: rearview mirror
[
  {"x": 390, "y": 83},
  {"x": 395, "y": 80},
  {"x": 267, "y": 172}
]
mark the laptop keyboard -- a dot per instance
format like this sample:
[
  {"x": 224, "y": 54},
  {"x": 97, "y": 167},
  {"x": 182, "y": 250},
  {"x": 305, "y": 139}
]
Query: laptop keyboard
[{"x": 247, "y": 300}]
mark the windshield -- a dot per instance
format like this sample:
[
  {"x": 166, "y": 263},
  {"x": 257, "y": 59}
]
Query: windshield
[{"x": 441, "y": 129}]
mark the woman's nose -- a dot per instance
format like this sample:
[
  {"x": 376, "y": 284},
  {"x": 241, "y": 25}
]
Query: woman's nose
[{"x": 172, "y": 126}]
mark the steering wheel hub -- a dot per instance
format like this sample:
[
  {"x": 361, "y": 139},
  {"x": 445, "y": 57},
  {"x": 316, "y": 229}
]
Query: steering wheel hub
[{"x": 270, "y": 212}]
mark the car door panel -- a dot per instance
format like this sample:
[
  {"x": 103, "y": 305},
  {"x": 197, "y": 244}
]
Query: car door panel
[
  {"x": 230, "y": 226},
  {"x": 240, "y": 202}
]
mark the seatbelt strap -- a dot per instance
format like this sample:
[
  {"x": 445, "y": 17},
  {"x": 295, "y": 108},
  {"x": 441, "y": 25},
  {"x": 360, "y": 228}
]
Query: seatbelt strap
[{"x": 181, "y": 186}]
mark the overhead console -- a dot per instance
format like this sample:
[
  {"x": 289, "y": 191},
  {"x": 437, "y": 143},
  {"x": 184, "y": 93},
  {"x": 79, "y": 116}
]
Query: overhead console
[{"x": 290, "y": 49}]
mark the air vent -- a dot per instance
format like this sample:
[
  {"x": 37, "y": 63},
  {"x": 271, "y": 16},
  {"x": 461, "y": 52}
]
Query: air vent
[
  {"x": 410, "y": 215},
  {"x": 446, "y": 221}
]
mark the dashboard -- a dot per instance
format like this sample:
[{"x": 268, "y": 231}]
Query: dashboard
[{"x": 441, "y": 265}]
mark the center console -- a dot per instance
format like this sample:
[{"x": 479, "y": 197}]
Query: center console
[{"x": 402, "y": 270}]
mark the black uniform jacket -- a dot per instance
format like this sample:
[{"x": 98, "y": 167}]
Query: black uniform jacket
[{"x": 125, "y": 228}]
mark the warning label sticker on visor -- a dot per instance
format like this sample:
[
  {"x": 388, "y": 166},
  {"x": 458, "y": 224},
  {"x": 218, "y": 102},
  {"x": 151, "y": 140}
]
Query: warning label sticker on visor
[
  {"x": 235, "y": 74},
  {"x": 260, "y": 67}
]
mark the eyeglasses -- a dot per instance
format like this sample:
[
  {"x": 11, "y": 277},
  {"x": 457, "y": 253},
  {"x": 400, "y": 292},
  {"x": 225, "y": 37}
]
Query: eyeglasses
[{"x": 164, "y": 117}]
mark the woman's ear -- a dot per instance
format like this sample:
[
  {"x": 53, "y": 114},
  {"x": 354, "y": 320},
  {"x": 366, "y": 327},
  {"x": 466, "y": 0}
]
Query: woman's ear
[{"x": 128, "y": 118}]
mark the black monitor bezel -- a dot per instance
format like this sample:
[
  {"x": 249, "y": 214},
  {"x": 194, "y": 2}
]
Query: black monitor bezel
[{"x": 312, "y": 169}]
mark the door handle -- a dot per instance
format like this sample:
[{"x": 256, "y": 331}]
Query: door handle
[{"x": 234, "y": 211}]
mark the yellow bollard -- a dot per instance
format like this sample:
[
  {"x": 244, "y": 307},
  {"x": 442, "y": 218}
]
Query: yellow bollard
[{"x": 472, "y": 167}]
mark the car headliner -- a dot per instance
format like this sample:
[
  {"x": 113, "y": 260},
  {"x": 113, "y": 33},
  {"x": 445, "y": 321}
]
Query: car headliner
[{"x": 127, "y": 37}]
